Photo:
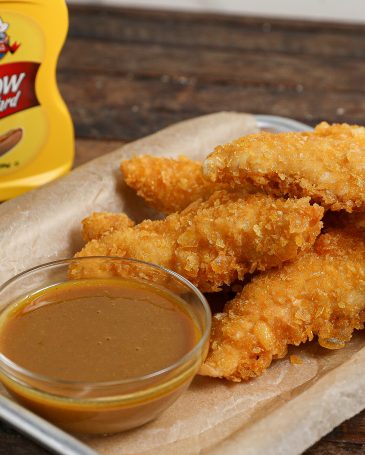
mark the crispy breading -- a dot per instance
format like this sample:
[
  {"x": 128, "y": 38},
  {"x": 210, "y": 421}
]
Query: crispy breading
[
  {"x": 98, "y": 223},
  {"x": 327, "y": 165},
  {"x": 218, "y": 241},
  {"x": 166, "y": 184},
  {"x": 321, "y": 293}
]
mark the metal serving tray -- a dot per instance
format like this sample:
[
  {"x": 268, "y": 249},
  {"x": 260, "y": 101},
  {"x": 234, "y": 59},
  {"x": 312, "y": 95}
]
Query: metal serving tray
[{"x": 275, "y": 124}]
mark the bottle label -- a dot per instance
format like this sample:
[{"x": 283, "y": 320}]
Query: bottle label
[
  {"x": 17, "y": 87},
  {"x": 24, "y": 122}
]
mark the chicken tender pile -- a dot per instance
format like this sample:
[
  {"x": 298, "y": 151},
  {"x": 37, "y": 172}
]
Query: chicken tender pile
[
  {"x": 321, "y": 293},
  {"x": 166, "y": 184},
  {"x": 254, "y": 206},
  {"x": 327, "y": 165},
  {"x": 199, "y": 244},
  {"x": 99, "y": 223}
]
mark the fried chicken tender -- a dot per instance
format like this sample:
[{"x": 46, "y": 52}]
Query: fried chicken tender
[
  {"x": 166, "y": 184},
  {"x": 98, "y": 223},
  {"x": 327, "y": 165},
  {"x": 321, "y": 293},
  {"x": 215, "y": 242}
]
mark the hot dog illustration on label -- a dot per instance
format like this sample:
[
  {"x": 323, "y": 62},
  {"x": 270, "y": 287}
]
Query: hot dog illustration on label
[
  {"x": 9, "y": 140},
  {"x": 23, "y": 120}
]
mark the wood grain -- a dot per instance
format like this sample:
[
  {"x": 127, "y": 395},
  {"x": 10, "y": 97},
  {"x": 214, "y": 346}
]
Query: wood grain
[
  {"x": 87, "y": 149},
  {"x": 213, "y": 31},
  {"x": 126, "y": 73},
  {"x": 14, "y": 443},
  {"x": 125, "y": 109},
  {"x": 215, "y": 66}
]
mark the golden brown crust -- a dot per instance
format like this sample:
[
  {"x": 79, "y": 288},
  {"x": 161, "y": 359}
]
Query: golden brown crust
[
  {"x": 166, "y": 184},
  {"x": 327, "y": 165},
  {"x": 321, "y": 293},
  {"x": 99, "y": 223},
  {"x": 218, "y": 241}
]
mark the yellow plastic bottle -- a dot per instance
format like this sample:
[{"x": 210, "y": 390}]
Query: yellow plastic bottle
[{"x": 36, "y": 132}]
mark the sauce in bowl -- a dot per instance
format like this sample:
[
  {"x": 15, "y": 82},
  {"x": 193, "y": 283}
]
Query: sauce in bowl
[
  {"x": 99, "y": 330},
  {"x": 101, "y": 355}
]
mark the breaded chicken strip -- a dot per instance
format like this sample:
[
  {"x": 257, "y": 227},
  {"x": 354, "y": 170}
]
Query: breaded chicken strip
[
  {"x": 327, "y": 165},
  {"x": 322, "y": 293},
  {"x": 166, "y": 184},
  {"x": 218, "y": 241},
  {"x": 98, "y": 223}
]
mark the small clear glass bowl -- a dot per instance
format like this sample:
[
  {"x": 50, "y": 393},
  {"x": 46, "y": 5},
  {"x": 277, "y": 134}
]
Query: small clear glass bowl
[{"x": 104, "y": 407}]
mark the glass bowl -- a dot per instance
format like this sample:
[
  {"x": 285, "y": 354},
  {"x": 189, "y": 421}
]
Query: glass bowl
[{"x": 113, "y": 406}]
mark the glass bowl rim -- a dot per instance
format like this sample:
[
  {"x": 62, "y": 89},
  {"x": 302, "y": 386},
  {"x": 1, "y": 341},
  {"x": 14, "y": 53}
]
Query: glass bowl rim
[{"x": 107, "y": 384}]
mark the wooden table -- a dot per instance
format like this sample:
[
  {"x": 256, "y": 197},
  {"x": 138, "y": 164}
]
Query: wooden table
[{"x": 127, "y": 73}]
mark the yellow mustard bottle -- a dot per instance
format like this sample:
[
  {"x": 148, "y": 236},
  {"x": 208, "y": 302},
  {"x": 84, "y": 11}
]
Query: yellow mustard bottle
[{"x": 36, "y": 132}]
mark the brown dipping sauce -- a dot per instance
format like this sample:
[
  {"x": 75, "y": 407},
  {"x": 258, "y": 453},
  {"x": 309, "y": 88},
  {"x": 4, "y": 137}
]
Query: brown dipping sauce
[
  {"x": 94, "y": 331},
  {"x": 100, "y": 330}
]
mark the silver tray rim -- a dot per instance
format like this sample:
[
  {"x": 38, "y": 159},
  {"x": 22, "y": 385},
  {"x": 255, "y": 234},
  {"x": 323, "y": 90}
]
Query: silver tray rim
[{"x": 277, "y": 124}]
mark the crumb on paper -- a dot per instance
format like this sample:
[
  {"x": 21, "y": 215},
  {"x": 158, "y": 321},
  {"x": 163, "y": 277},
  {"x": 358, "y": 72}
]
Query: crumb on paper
[{"x": 295, "y": 360}]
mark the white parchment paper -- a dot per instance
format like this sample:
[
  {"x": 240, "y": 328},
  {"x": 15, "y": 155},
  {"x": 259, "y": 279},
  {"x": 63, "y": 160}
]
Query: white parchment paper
[{"x": 282, "y": 412}]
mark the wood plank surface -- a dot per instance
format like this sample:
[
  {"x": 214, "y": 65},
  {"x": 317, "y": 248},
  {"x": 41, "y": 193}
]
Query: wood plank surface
[
  {"x": 87, "y": 149},
  {"x": 126, "y": 73},
  {"x": 214, "y": 66},
  {"x": 215, "y": 31},
  {"x": 122, "y": 109}
]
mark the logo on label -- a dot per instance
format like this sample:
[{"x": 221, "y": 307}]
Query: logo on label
[{"x": 5, "y": 45}]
